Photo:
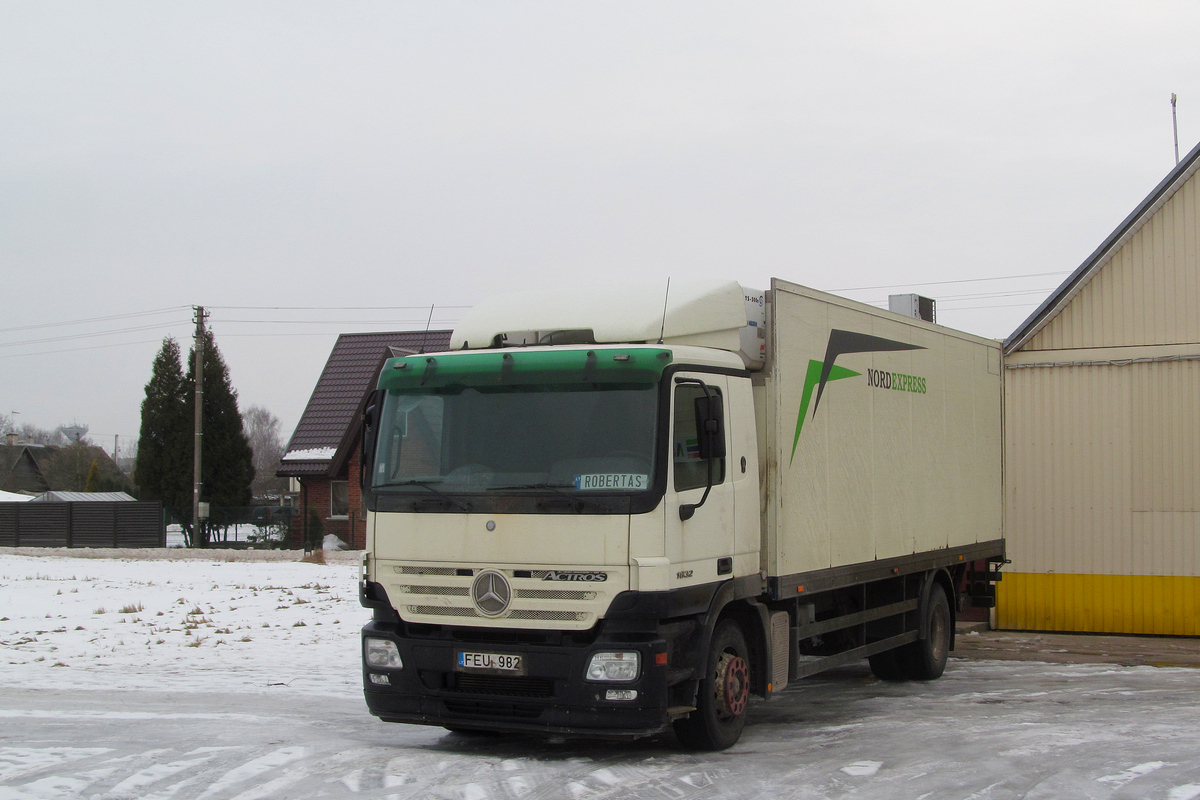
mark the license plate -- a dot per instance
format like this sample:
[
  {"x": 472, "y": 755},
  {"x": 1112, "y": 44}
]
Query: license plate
[{"x": 495, "y": 662}]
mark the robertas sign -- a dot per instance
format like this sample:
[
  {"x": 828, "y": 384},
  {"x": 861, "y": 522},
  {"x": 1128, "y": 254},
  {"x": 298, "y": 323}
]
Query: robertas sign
[{"x": 613, "y": 480}]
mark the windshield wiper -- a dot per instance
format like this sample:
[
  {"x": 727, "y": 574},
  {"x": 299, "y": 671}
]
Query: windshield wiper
[
  {"x": 555, "y": 486},
  {"x": 426, "y": 484}
]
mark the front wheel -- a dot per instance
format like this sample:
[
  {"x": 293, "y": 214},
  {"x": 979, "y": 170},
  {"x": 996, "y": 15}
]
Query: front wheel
[{"x": 723, "y": 695}]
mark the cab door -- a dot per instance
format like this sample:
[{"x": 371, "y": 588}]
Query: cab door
[{"x": 701, "y": 546}]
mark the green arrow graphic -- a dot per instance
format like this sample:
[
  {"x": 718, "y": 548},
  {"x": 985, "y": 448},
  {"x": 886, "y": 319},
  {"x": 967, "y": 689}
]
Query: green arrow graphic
[{"x": 811, "y": 379}]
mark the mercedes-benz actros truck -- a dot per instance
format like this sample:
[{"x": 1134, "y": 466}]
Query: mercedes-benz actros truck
[{"x": 615, "y": 511}]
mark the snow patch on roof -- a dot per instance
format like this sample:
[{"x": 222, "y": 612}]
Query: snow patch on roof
[
  {"x": 315, "y": 454},
  {"x": 83, "y": 497},
  {"x": 11, "y": 497}
]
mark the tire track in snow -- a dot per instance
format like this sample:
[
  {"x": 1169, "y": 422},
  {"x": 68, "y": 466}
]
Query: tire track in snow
[
  {"x": 254, "y": 768},
  {"x": 135, "y": 784}
]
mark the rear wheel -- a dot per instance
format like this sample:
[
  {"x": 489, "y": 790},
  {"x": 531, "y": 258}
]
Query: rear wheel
[
  {"x": 925, "y": 659},
  {"x": 888, "y": 666},
  {"x": 723, "y": 695}
]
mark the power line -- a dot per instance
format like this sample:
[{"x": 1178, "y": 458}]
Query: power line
[
  {"x": 979, "y": 296},
  {"x": 93, "y": 319},
  {"x": 327, "y": 308},
  {"x": 982, "y": 295},
  {"x": 297, "y": 333},
  {"x": 75, "y": 336},
  {"x": 943, "y": 283},
  {"x": 78, "y": 349},
  {"x": 391, "y": 321},
  {"x": 1004, "y": 305}
]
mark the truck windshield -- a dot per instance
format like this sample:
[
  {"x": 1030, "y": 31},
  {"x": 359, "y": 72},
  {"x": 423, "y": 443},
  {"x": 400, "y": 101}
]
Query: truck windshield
[{"x": 569, "y": 438}]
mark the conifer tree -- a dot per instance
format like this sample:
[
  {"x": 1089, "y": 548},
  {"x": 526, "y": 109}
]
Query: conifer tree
[
  {"x": 164, "y": 459},
  {"x": 227, "y": 462},
  {"x": 92, "y": 484}
]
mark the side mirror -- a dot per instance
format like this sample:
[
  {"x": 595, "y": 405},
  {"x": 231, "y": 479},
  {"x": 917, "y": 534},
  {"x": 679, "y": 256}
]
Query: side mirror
[
  {"x": 369, "y": 433},
  {"x": 710, "y": 426}
]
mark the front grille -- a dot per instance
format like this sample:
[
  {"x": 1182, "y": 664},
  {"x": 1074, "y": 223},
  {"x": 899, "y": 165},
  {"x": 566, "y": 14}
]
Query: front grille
[
  {"x": 479, "y": 708},
  {"x": 452, "y": 591},
  {"x": 502, "y": 685},
  {"x": 442, "y": 611},
  {"x": 557, "y": 616},
  {"x": 426, "y": 570},
  {"x": 520, "y": 613},
  {"x": 554, "y": 594}
]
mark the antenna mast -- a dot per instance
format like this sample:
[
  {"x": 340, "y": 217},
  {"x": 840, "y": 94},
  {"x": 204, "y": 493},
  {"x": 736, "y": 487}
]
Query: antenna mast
[
  {"x": 663, "y": 330},
  {"x": 1175, "y": 128},
  {"x": 425, "y": 337}
]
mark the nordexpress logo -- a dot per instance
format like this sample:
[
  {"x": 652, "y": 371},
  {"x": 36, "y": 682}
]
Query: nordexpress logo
[
  {"x": 897, "y": 381},
  {"x": 822, "y": 372}
]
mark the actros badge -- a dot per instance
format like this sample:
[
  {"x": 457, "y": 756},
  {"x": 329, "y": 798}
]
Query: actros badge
[{"x": 592, "y": 577}]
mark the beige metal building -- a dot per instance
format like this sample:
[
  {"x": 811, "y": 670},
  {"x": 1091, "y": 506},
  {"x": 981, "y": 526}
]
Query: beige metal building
[{"x": 1102, "y": 414}]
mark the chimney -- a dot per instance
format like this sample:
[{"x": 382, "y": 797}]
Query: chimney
[{"x": 10, "y": 439}]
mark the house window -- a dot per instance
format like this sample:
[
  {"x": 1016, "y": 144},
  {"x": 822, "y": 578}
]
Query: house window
[{"x": 339, "y": 498}]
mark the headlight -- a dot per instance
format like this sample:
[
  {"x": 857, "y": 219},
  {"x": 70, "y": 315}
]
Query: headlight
[
  {"x": 383, "y": 654},
  {"x": 618, "y": 667}
]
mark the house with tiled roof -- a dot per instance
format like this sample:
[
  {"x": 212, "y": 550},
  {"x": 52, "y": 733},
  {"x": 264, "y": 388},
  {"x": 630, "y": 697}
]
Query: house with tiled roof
[
  {"x": 36, "y": 468},
  {"x": 20, "y": 470},
  {"x": 323, "y": 453}
]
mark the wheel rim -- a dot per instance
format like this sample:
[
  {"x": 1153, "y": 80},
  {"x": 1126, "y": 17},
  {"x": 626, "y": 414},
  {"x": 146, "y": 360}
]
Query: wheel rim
[{"x": 732, "y": 685}]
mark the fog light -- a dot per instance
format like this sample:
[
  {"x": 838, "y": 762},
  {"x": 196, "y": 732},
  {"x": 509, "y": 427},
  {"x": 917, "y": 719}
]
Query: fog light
[
  {"x": 619, "y": 694},
  {"x": 618, "y": 667},
  {"x": 383, "y": 654},
  {"x": 380, "y": 680}
]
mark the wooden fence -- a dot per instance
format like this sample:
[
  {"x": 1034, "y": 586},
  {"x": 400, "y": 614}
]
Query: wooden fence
[{"x": 121, "y": 524}]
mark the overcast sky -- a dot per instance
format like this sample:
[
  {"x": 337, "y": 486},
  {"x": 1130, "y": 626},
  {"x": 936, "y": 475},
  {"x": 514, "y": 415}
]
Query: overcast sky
[{"x": 320, "y": 159}]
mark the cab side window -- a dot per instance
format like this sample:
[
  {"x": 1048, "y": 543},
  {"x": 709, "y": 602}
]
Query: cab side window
[{"x": 691, "y": 471}]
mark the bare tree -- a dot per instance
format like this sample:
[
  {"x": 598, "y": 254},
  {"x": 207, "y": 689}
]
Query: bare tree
[
  {"x": 32, "y": 434},
  {"x": 263, "y": 430}
]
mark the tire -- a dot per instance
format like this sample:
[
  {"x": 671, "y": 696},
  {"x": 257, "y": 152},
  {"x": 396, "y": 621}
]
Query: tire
[
  {"x": 925, "y": 659},
  {"x": 723, "y": 695},
  {"x": 888, "y": 666}
]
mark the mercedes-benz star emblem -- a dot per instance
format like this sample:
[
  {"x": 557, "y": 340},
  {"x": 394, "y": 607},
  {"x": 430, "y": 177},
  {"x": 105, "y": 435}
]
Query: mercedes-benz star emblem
[{"x": 491, "y": 593}]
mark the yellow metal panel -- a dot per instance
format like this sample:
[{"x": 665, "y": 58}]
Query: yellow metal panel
[{"x": 1159, "y": 605}]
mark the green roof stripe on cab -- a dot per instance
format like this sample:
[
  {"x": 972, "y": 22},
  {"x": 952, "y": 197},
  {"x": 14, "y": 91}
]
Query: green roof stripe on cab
[{"x": 514, "y": 367}]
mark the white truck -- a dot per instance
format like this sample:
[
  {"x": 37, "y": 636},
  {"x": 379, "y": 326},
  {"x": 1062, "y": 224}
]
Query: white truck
[{"x": 612, "y": 512}]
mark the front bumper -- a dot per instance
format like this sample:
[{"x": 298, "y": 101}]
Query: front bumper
[{"x": 551, "y": 698}]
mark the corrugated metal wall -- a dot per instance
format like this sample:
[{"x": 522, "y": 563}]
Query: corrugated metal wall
[
  {"x": 1147, "y": 293},
  {"x": 1103, "y": 479},
  {"x": 1102, "y": 415}
]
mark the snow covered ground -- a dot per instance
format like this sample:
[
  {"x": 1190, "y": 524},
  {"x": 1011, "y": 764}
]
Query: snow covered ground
[
  {"x": 242, "y": 532},
  {"x": 213, "y": 680},
  {"x": 191, "y": 626}
]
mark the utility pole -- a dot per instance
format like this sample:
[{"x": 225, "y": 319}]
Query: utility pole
[
  {"x": 1175, "y": 128},
  {"x": 201, "y": 315}
]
